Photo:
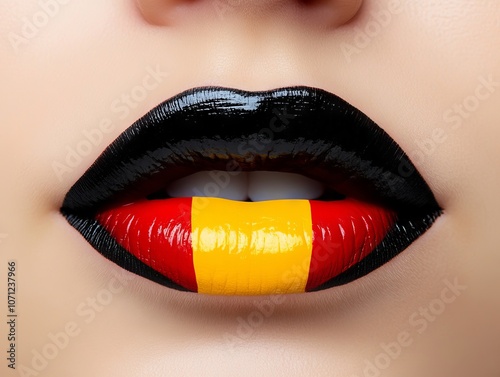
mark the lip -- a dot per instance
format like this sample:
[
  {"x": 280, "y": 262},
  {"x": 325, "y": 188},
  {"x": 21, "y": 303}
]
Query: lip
[{"x": 385, "y": 203}]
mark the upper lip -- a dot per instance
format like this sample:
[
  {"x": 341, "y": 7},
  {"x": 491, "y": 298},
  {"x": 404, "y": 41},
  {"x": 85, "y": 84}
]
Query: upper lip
[{"x": 296, "y": 129}]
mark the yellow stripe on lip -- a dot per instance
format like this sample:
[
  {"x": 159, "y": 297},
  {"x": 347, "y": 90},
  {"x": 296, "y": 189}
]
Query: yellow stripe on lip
[{"x": 244, "y": 248}]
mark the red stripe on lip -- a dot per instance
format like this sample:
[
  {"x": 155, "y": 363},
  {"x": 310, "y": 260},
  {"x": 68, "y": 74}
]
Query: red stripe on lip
[
  {"x": 158, "y": 233},
  {"x": 344, "y": 233}
]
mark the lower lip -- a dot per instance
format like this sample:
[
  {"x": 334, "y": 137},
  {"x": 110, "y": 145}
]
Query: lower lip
[{"x": 223, "y": 247}]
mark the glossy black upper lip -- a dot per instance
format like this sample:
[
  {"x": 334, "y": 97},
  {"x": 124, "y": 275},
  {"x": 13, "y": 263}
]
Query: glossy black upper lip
[{"x": 297, "y": 129}]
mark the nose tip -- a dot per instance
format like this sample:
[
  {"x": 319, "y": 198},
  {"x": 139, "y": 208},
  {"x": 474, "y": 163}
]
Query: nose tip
[{"x": 318, "y": 12}]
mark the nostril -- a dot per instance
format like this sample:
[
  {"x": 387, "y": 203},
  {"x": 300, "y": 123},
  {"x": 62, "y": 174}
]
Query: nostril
[
  {"x": 145, "y": 8},
  {"x": 332, "y": 12},
  {"x": 160, "y": 12}
]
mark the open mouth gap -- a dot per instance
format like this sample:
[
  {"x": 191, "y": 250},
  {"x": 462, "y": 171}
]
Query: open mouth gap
[{"x": 247, "y": 186}]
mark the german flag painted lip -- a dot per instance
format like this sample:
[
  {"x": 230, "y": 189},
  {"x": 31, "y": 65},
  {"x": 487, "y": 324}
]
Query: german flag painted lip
[{"x": 242, "y": 248}]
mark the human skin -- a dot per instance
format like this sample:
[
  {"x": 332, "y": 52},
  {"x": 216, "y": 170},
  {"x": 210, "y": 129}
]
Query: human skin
[{"x": 429, "y": 76}]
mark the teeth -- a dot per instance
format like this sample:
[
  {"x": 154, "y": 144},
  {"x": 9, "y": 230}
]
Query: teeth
[
  {"x": 217, "y": 184},
  {"x": 267, "y": 185},
  {"x": 256, "y": 186}
]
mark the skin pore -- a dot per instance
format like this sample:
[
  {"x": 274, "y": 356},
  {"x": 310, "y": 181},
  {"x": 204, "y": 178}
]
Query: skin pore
[{"x": 76, "y": 74}]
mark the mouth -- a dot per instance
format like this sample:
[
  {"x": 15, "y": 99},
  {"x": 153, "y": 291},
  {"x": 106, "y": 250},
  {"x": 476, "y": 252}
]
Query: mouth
[{"x": 228, "y": 192}]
